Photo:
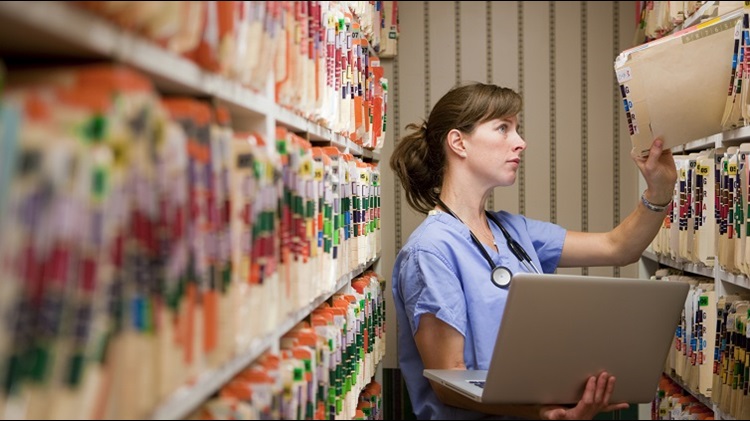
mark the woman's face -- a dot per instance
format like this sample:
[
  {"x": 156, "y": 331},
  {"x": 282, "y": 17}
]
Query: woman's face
[{"x": 494, "y": 151}]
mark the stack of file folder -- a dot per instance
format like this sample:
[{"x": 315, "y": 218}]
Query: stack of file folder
[{"x": 684, "y": 86}]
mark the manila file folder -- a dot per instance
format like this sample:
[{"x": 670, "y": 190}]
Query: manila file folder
[{"x": 676, "y": 87}]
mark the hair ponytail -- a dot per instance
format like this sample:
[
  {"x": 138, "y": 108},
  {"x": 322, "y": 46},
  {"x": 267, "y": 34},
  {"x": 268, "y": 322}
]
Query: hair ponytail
[{"x": 419, "y": 167}]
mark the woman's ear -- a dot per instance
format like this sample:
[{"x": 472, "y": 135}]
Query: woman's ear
[{"x": 456, "y": 142}]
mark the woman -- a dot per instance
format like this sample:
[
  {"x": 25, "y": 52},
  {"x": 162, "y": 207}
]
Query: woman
[{"x": 447, "y": 309}]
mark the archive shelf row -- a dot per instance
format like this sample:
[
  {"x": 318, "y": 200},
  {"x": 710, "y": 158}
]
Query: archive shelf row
[
  {"x": 184, "y": 401},
  {"x": 701, "y": 398},
  {"x": 689, "y": 267},
  {"x": 723, "y": 139},
  {"x": 724, "y": 281},
  {"x": 699, "y": 269},
  {"x": 76, "y": 34},
  {"x": 693, "y": 195}
]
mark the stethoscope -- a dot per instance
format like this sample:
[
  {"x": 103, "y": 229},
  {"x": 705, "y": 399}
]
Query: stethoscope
[{"x": 500, "y": 275}]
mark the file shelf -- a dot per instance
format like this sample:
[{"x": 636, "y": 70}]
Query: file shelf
[
  {"x": 719, "y": 140},
  {"x": 689, "y": 267},
  {"x": 701, "y": 270},
  {"x": 701, "y": 398},
  {"x": 78, "y": 35},
  {"x": 735, "y": 279},
  {"x": 719, "y": 275},
  {"x": 184, "y": 401},
  {"x": 89, "y": 37}
]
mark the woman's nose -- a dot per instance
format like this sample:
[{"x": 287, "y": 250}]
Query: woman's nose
[{"x": 521, "y": 144}]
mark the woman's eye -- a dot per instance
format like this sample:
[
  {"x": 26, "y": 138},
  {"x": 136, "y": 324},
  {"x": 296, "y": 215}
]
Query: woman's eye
[{"x": 503, "y": 129}]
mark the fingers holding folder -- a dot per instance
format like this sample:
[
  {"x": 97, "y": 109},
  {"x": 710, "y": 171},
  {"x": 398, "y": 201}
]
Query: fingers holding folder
[{"x": 658, "y": 168}]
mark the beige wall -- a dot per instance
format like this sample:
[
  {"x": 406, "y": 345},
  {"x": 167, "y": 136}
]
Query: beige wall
[{"x": 577, "y": 170}]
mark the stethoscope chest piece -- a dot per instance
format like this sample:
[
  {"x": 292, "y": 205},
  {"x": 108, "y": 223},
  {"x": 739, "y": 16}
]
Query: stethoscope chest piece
[{"x": 501, "y": 276}]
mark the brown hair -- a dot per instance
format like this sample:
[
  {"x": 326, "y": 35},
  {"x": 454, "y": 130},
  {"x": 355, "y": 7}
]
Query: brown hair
[{"x": 419, "y": 159}]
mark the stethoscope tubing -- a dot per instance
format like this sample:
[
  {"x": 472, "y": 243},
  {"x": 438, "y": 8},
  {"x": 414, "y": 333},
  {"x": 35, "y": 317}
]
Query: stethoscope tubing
[{"x": 499, "y": 275}]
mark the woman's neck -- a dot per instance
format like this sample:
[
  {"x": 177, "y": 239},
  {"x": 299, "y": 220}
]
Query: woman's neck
[
  {"x": 468, "y": 207},
  {"x": 473, "y": 216}
]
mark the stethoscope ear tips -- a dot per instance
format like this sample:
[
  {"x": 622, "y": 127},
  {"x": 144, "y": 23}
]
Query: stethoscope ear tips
[{"x": 501, "y": 276}]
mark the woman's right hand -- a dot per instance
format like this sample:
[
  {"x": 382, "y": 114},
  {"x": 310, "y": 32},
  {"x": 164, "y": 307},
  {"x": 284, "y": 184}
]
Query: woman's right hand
[{"x": 595, "y": 400}]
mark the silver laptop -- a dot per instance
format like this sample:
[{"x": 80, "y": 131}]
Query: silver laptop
[{"x": 558, "y": 330}]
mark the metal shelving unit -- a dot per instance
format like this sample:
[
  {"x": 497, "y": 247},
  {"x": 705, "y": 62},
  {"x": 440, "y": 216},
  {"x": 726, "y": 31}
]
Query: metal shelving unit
[
  {"x": 719, "y": 275},
  {"x": 705, "y": 400},
  {"x": 697, "y": 269},
  {"x": 77, "y": 35},
  {"x": 728, "y": 138},
  {"x": 185, "y": 400}
]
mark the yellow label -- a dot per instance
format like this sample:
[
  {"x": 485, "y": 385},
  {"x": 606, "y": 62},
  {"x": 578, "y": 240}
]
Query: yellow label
[
  {"x": 703, "y": 169},
  {"x": 318, "y": 174},
  {"x": 305, "y": 169},
  {"x": 702, "y": 30},
  {"x": 732, "y": 169}
]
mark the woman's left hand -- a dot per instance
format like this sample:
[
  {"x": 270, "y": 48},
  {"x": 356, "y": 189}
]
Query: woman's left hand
[
  {"x": 659, "y": 171},
  {"x": 595, "y": 400}
]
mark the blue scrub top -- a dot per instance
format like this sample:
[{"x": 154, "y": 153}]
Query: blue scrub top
[{"x": 440, "y": 271}]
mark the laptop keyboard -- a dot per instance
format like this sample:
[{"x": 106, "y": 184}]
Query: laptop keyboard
[{"x": 479, "y": 383}]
